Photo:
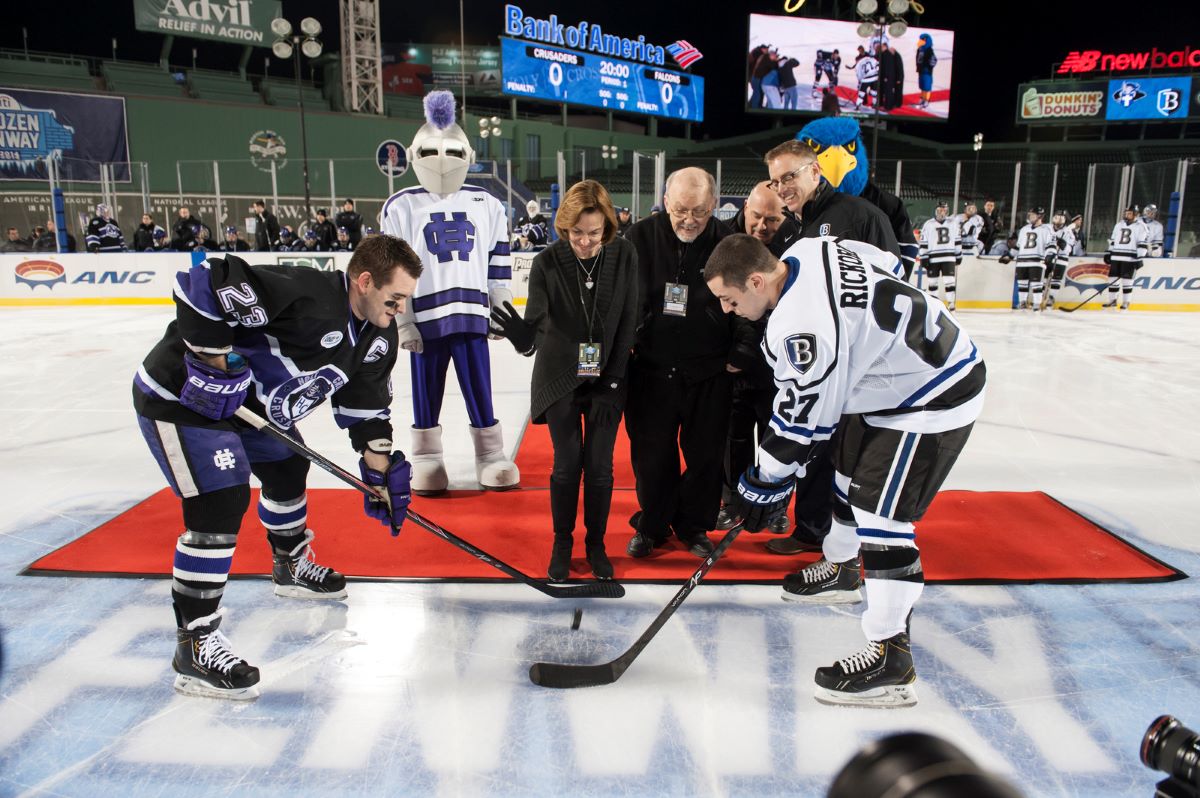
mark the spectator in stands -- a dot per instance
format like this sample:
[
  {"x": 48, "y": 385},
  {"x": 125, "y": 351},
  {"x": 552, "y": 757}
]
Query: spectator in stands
[
  {"x": 624, "y": 221},
  {"x": 15, "y": 243},
  {"x": 326, "y": 231},
  {"x": 343, "y": 243},
  {"x": 1005, "y": 247},
  {"x": 233, "y": 242},
  {"x": 266, "y": 231},
  {"x": 351, "y": 220},
  {"x": 48, "y": 242},
  {"x": 183, "y": 233},
  {"x": 143, "y": 236}
]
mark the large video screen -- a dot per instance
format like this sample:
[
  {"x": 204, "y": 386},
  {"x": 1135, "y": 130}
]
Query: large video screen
[
  {"x": 803, "y": 65},
  {"x": 568, "y": 76}
]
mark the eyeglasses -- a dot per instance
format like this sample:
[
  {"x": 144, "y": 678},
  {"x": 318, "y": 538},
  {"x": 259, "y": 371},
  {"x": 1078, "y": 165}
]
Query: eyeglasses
[
  {"x": 682, "y": 213},
  {"x": 786, "y": 179}
]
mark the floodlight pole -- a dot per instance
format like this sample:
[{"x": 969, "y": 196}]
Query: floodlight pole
[{"x": 296, "y": 41}]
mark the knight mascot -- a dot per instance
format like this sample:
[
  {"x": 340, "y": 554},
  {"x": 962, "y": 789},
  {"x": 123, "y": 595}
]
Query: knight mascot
[
  {"x": 842, "y": 154},
  {"x": 461, "y": 233}
]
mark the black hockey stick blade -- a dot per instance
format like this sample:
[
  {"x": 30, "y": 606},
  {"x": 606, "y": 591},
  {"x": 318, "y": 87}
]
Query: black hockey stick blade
[
  {"x": 558, "y": 675},
  {"x": 1090, "y": 297},
  {"x": 606, "y": 589}
]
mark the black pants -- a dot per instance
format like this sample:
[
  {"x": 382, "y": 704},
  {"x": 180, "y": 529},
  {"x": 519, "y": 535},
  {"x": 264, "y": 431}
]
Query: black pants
[
  {"x": 581, "y": 449},
  {"x": 750, "y": 408},
  {"x": 664, "y": 415}
]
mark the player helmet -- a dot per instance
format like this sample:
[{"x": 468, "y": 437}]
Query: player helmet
[
  {"x": 1150, "y": 211},
  {"x": 102, "y": 211},
  {"x": 160, "y": 233},
  {"x": 970, "y": 208},
  {"x": 941, "y": 210},
  {"x": 285, "y": 232},
  {"x": 440, "y": 152},
  {"x": 1035, "y": 213},
  {"x": 532, "y": 207},
  {"x": 368, "y": 232},
  {"x": 310, "y": 235},
  {"x": 1059, "y": 219},
  {"x": 1131, "y": 213}
]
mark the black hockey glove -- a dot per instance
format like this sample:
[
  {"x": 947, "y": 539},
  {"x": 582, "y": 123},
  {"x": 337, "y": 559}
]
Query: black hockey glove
[
  {"x": 958, "y": 261},
  {"x": 759, "y": 501},
  {"x": 1006, "y": 258},
  {"x": 1049, "y": 261},
  {"x": 521, "y": 333},
  {"x": 925, "y": 264},
  {"x": 1108, "y": 258},
  {"x": 608, "y": 400}
]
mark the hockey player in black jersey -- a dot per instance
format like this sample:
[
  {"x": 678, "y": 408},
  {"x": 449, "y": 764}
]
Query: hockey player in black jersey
[
  {"x": 280, "y": 340},
  {"x": 897, "y": 407},
  {"x": 104, "y": 234}
]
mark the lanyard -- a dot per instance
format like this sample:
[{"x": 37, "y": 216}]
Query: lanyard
[{"x": 590, "y": 316}]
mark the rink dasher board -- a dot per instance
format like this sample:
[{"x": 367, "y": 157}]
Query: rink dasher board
[{"x": 45, "y": 279}]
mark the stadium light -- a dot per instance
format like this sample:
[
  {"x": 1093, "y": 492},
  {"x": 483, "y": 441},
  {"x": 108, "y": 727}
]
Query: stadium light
[
  {"x": 290, "y": 44},
  {"x": 874, "y": 22}
]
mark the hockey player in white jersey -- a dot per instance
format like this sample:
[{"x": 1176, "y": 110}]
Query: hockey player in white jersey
[
  {"x": 1065, "y": 239},
  {"x": 1037, "y": 250},
  {"x": 1154, "y": 231},
  {"x": 866, "y": 69},
  {"x": 461, "y": 233},
  {"x": 941, "y": 252},
  {"x": 864, "y": 358},
  {"x": 970, "y": 226},
  {"x": 1127, "y": 247}
]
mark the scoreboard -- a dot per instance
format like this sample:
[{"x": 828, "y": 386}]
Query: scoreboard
[{"x": 556, "y": 74}]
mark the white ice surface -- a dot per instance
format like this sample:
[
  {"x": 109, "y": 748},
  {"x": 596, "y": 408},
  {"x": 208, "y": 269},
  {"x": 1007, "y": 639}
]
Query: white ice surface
[{"x": 422, "y": 688}]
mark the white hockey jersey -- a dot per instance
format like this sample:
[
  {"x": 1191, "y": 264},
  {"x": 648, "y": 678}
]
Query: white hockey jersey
[
  {"x": 969, "y": 230},
  {"x": 940, "y": 242},
  {"x": 1154, "y": 237},
  {"x": 1034, "y": 243},
  {"x": 1066, "y": 239},
  {"x": 462, "y": 239},
  {"x": 867, "y": 70},
  {"x": 847, "y": 336},
  {"x": 1128, "y": 242}
]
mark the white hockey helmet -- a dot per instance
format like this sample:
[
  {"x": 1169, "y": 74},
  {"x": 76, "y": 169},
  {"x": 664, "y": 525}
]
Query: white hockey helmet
[
  {"x": 440, "y": 153},
  {"x": 1150, "y": 211}
]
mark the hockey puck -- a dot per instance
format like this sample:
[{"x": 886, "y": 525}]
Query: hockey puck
[{"x": 578, "y": 617}]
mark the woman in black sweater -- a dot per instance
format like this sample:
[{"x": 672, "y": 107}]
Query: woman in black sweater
[{"x": 580, "y": 320}]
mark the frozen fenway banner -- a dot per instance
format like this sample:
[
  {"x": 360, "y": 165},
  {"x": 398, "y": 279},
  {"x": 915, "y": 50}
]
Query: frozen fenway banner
[
  {"x": 141, "y": 278},
  {"x": 80, "y": 131}
]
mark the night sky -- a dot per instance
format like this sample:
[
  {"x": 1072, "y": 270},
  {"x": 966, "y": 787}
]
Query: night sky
[{"x": 998, "y": 45}]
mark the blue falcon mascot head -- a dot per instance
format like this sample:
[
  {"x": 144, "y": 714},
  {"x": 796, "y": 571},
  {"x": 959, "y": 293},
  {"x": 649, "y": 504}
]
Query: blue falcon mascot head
[{"x": 838, "y": 142}]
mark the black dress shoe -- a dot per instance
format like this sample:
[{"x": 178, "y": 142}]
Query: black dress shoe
[
  {"x": 698, "y": 544},
  {"x": 641, "y": 545}
]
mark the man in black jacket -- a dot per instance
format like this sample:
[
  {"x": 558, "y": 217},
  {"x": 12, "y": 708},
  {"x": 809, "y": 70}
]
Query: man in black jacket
[
  {"x": 680, "y": 383},
  {"x": 326, "y": 232},
  {"x": 183, "y": 232},
  {"x": 351, "y": 220},
  {"x": 821, "y": 210},
  {"x": 266, "y": 231}
]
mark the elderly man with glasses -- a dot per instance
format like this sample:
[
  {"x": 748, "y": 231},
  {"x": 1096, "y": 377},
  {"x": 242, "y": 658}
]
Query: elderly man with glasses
[{"x": 680, "y": 378}]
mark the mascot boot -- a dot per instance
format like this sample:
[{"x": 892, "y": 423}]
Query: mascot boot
[
  {"x": 493, "y": 469},
  {"x": 428, "y": 469}
]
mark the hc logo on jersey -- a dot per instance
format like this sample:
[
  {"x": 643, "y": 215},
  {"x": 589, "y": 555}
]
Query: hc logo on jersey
[
  {"x": 445, "y": 238},
  {"x": 801, "y": 351},
  {"x": 224, "y": 459},
  {"x": 1169, "y": 101},
  {"x": 1129, "y": 93}
]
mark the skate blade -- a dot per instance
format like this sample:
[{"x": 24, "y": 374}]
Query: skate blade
[
  {"x": 891, "y": 697},
  {"x": 830, "y": 597},
  {"x": 189, "y": 686},
  {"x": 297, "y": 592}
]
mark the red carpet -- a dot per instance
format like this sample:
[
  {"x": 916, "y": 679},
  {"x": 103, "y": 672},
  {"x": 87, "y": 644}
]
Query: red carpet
[{"x": 967, "y": 537}]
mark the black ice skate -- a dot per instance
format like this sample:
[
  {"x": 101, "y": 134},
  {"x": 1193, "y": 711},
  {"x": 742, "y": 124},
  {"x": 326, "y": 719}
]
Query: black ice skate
[
  {"x": 297, "y": 575},
  {"x": 881, "y": 675},
  {"x": 1112, "y": 303},
  {"x": 825, "y": 582},
  {"x": 206, "y": 667}
]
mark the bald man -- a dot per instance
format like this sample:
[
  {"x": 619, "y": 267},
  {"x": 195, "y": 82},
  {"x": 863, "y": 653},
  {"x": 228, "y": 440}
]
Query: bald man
[
  {"x": 763, "y": 216},
  {"x": 681, "y": 374}
]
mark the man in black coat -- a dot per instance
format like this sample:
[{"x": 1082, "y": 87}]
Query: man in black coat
[
  {"x": 351, "y": 220},
  {"x": 266, "y": 231},
  {"x": 325, "y": 230},
  {"x": 680, "y": 378}
]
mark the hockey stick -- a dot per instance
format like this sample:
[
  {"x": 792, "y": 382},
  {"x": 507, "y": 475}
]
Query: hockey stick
[
  {"x": 550, "y": 674},
  {"x": 1091, "y": 296},
  {"x": 586, "y": 590}
]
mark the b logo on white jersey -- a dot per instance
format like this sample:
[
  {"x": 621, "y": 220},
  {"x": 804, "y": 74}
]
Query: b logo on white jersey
[{"x": 801, "y": 351}]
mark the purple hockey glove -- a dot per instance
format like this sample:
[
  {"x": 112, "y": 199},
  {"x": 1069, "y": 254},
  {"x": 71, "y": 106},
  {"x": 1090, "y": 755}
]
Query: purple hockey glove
[
  {"x": 396, "y": 481},
  {"x": 212, "y": 392}
]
